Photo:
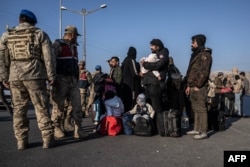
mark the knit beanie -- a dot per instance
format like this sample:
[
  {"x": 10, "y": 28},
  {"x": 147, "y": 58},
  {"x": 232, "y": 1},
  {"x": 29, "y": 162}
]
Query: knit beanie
[
  {"x": 200, "y": 39},
  {"x": 141, "y": 99}
]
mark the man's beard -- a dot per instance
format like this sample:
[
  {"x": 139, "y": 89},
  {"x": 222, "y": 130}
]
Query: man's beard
[
  {"x": 153, "y": 51},
  {"x": 194, "y": 49}
]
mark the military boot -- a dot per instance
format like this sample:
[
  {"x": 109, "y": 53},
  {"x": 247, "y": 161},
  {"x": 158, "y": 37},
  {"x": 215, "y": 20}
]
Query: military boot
[
  {"x": 58, "y": 133},
  {"x": 62, "y": 125},
  {"x": 48, "y": 143},
  {"x": 67, "y": 124},
  {"x": 22, "y": 144},
  {"x": 79, "y": 132}
]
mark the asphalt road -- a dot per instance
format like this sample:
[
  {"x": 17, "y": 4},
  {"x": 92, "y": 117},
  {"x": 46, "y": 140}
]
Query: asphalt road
[{"x": 122, "y": 150}]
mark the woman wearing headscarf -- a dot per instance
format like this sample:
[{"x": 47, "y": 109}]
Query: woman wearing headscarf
[{"x": 131, "y": 86}]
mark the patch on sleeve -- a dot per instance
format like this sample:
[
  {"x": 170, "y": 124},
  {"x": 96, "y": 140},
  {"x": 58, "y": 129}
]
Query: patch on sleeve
[{"x": 161, "y": 56}]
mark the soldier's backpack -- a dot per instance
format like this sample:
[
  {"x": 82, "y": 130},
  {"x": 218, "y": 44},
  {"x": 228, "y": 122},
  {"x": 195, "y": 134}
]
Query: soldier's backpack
[
  {"x": 143, "y": 127},
  {"x": 23, "y": 44}
]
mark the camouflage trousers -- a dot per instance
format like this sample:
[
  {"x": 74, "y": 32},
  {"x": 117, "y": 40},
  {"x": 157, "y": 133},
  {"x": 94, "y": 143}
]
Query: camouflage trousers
[
  {"x": 67, "y": 111},
  {"x": 22, "y": 92},
  {"x": 83, "y": 94},
  {"x": 91, "y": 98},
  {"x": 66, "y": 87},
  {"x": 198, "y": 102}
]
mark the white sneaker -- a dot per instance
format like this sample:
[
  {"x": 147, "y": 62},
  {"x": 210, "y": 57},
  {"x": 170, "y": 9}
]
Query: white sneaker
[
  {"x": 193, "y": 132},
  {"x": 96, "y": 123},
  {"x": 200, "y": 136}
]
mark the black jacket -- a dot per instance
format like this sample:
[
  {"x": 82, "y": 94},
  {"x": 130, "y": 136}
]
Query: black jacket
[
  {"x": 161, "y": 66},
  {"x": 130, "y": 75}
]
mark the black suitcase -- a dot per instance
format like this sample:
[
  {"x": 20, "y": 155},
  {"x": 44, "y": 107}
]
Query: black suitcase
[
  {"x": 246, "y": 106},
  {"x": 171, "y": 123}
]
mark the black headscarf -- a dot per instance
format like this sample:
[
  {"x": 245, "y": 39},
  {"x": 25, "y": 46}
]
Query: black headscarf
[{"x": 132, "y": 52}]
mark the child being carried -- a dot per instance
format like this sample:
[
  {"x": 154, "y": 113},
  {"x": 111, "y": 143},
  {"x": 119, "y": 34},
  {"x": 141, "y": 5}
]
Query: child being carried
[{"x": 151, "y": 58}]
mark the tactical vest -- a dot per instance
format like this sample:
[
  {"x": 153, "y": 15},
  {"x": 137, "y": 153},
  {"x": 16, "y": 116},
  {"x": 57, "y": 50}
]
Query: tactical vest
[
  {"x": 23, "y": 45},
  {"x": 67, "y": 60},
  {"x": 83, "y": 80},
  {"x": 68, "y": 52},
  {"x": 83, "y": 76}
]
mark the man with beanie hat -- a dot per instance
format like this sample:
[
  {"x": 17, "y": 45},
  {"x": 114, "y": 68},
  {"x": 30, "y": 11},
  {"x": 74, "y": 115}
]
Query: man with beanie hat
[
  {"x": 155, "y": 88},
  {"x": 197, "y": 84},
  {"x": 30, "y": 63}
]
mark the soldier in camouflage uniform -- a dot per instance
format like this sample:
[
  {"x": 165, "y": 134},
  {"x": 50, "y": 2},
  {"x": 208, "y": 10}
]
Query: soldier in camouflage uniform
[
  {"x": 197, "y": 77},
  {"x": 85, "y": 84},
  {"x": 29, "y": 63},
  {"x": 66, "y": 85}
]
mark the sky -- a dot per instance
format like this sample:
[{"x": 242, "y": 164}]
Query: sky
[{"x": 124, "y": 23}]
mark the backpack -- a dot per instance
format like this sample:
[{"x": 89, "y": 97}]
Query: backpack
[
  {"x": 110, "y": 125},
  {"x": 175, "y": 78},
  {"x": 109, "y": 84},
  {"x": 98, "y": 81},
  {"x": 127, "y": 129},
  {"x": 143, "y": 127}
]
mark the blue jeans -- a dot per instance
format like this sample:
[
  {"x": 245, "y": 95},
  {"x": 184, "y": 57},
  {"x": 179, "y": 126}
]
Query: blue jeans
[
  {"x": 237, "y": 105},
  {"x": 97, "y": 108}
]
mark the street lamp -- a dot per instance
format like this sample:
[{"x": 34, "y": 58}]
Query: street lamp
[
  {"x": 84, "y": 13},
  {"x": 60, "y": 19}
]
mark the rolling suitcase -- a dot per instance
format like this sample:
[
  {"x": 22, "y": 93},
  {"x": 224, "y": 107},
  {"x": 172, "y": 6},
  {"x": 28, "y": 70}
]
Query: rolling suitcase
[
  {"x": 246, "y": 105},
  {"x": 172, "y": 123}
]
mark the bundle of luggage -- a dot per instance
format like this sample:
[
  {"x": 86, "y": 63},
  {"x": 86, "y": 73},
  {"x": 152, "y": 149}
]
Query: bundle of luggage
[{"x": 170, "y": 124}]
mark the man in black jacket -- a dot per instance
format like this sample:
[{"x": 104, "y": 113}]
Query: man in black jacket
[{"x": 154, "y": 87}]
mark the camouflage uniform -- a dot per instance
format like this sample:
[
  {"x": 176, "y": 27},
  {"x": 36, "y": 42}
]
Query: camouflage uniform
[
  {"x": 84, "y": 89},
  {"x": 29, "y": 63},
  {"x": 66, "y": 86},
  {"x": 65, "y": 117}
]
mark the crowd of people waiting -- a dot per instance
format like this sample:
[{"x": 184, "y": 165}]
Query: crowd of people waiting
[{"x": 30, "y": 64}]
